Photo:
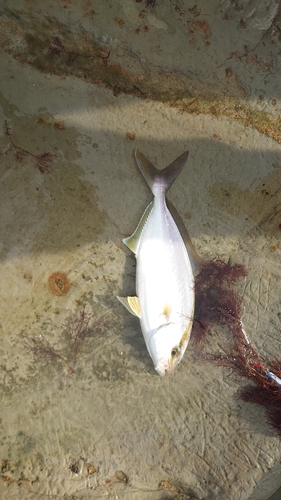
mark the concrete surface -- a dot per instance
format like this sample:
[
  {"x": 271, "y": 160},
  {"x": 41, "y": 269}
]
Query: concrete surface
[{"x": 93, "y": 420}]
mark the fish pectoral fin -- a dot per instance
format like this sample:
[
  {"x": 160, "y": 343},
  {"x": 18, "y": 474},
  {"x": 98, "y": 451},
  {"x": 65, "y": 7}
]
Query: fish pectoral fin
[
  {"x": 132, "y": 304},
  {"x": 167, "y": 311}
]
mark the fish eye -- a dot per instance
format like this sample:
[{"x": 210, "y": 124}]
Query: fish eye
[{"x": 175, "y": 352}]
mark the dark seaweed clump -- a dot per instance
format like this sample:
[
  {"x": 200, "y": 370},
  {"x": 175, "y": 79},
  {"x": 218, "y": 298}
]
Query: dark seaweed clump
[
  {"x": 79, "y": 327},
  {"x": 43, "y": 161},
  {"x": 219, "y": 304}
]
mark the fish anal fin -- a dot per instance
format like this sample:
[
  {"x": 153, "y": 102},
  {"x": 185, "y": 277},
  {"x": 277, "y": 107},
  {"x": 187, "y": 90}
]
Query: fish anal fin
[{"x": 132, "y": 305}]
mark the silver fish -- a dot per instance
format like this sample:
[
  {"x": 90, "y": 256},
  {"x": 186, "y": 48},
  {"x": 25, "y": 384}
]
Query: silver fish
[{"x": 166, "y": 265}]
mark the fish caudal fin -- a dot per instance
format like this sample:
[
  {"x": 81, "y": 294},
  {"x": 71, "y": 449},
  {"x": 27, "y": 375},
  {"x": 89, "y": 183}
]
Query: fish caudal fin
[{"x": 160, "y": 178}]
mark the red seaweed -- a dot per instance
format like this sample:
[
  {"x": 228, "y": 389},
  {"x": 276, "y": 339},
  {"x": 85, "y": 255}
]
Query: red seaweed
[
  {"x": 274, "y": 419},
  {"x": 215, "y": 301},
  {"x": 264, "y": 393},
  {"x": 79, "y": 327},
  {"x": 219, "y": 304},
  {"x": 42, "y": 161}
]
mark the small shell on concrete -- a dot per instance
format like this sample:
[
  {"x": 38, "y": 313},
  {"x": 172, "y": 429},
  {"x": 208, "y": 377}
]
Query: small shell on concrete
[{"x": 90, "y": 468}]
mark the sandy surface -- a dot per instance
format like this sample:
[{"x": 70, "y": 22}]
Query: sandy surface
[{"x": 67, "y": 413}]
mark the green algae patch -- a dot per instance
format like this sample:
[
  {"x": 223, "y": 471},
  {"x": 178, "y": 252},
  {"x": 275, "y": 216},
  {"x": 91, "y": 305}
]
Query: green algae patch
[
  {"x": 90, "y": 62},
  {"x": 231, "y": 107},
  {"x": 59, "y": 51}
]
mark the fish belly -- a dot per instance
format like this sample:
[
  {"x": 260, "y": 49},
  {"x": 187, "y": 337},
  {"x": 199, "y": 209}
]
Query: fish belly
[{"x": 164, "y": 281}]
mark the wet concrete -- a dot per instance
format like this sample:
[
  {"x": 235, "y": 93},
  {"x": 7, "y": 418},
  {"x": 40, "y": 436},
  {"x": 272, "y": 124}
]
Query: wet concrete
[
  {"x": 75, "y": 414},
  {"x": 71, "y": 219}
]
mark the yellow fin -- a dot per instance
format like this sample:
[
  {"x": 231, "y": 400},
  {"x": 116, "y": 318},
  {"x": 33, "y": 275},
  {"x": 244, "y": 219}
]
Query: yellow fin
[
  {"x": 132, "y": 241},
  {"x": 132, "y": 305}
]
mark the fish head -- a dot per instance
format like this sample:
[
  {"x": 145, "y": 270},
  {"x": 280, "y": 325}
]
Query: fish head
[{"x": 167, "y": 346}]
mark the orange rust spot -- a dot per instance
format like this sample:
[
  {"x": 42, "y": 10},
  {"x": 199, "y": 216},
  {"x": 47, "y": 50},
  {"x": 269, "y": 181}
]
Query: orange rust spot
[
  {"x": 90, "y": 468},
  {"x": 131, "y": 136},
  {"x": 197, "y": 26},
  {"x": 121, "y": 476},
  {"x": 179, "y": 11},
  {"x": 228, "y": 73},
  {"x": 119, "y": 21},
  {"x": 273, "y": 248},
  {"x": 166, "y": 484},
  {"x": 6, "y": 479},
  {"x": 27, "y": 276},
  {"x": 59, "y": 125},
  {"x": 92, "y": 13},
  {"x": 59, "y": 283},
  {"x": 264, "y": 191}
]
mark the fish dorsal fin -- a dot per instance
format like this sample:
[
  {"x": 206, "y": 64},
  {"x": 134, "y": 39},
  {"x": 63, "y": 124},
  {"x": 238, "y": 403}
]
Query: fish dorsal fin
[
  {"x": 196, "y": 261},
  {"x": 132, "y": 241},
  {"x": 163, "y": 178},
  {"x": 132, "y": 305}
]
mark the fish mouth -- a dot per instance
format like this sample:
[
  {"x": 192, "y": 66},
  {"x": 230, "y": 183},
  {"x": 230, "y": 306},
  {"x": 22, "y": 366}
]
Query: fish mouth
[{"x": 164, "y": 368}]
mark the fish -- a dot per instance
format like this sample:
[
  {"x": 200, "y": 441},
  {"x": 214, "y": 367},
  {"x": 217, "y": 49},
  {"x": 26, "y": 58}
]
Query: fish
[{"x": 166, "y": 266}]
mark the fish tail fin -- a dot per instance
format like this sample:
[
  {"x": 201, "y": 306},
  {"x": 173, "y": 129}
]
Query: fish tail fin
[{"x": 160, "y": 179}]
